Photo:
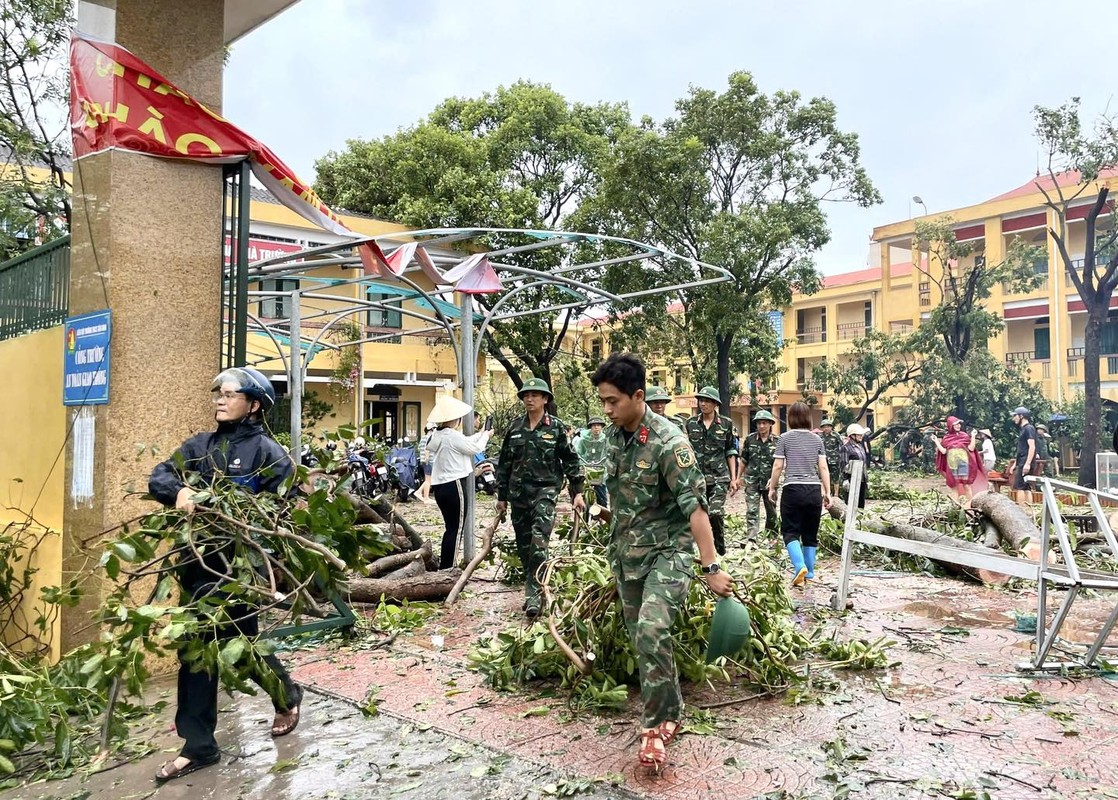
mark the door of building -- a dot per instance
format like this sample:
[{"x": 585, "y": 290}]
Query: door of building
[{"x": 387, "y": 419}]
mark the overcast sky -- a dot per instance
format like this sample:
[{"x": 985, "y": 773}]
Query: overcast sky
[{"x": 940, "y": 92}]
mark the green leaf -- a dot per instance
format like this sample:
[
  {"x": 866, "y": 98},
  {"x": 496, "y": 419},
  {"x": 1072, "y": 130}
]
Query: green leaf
[
  {"x": 232, "y": 651},
  {"x": 92, "y": 664},
  {"x": 124, "y": 550}
]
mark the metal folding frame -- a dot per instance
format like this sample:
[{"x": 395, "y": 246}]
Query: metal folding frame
[
  {"x": 1049, "y": 576},
  {"x": 466, "y": 341}
]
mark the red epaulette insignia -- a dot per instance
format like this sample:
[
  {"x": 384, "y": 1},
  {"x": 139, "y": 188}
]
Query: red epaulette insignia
[{"x": 642, "y": 437}]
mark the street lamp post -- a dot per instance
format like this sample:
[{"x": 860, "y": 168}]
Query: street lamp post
[{"x": 916, "y": 199}]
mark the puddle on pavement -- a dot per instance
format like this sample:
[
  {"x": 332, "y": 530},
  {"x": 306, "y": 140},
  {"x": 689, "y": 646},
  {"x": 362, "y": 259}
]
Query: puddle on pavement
[
  {"x": 970, "y": 618},
  {"x": 336, "y": 753}
]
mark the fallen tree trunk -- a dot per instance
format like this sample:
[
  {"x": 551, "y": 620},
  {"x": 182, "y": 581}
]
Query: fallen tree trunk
[
  {"x": 837, "y": 509},
  {"x": 428, "y": 586},
  {"x": 383, "y": 566},
  {"x": 387, "y": 512},
  {"x": 409, "y": 570},
  {"x": 1015, "y": 525}
]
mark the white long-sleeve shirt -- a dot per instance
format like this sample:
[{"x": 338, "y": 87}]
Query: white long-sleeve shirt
[{"x": 452, "y": 453}]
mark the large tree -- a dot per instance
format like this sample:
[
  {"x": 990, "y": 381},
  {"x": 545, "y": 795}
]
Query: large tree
[
  {"x": 1075, "y": 161},
  {"x": 34, "y": 136},
  {"x": 737, "y": 179},
  {"x": 520, "y": 157},
  {"x": 954, "y": 336},
  {"x": 875, "y": 365}
]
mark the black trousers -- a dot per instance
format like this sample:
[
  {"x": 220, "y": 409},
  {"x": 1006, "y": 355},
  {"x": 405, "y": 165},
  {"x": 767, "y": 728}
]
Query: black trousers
[
  {"x": 450, "y": 497},
  {"x": 196, "y": 717}
]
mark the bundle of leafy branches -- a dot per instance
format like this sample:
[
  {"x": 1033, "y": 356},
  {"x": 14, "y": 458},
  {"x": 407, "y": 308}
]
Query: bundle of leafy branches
[
  {"x": 885, "y": 486},
  {"x": 587, "y": 617},
  {"x": 264, "y": 553},
  {"x": 259, "y": 551}
]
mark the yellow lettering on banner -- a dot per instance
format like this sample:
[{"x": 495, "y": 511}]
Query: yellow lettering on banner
[
  {"x": 267, "y": 167},
  {"x": 106, "y": 65},
  {"x": 143, "y": 81},
  {"x": 96, "y": 114},
  {"x": 153, "y": 127},
  {"x": 166, "y": 88},
  {"x": 213, "y": 114},
  {"x": 288, "y": 184},
  {"x": 187, "y": 139}
]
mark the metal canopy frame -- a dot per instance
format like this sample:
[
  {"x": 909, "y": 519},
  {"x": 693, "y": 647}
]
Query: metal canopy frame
[
  {"x": 1050, "y": 576},
  {"x": 577, "y": 280}
]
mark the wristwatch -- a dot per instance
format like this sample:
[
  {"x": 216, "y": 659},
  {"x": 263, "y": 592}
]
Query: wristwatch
[{"x": 711, "y": 569}]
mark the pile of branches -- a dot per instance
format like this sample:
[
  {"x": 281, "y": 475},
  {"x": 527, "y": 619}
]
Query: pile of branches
[{"x": 582, "y": 643}]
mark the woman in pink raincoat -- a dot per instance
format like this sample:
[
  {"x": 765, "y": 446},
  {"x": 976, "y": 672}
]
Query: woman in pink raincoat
[{"x": 958, "y": 461}]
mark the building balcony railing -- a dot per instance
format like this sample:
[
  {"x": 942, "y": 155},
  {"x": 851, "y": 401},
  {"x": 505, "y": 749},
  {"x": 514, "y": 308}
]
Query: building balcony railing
[
  {"x": 1076, "y": 355},
  {"x": 1029, "y": 356},
  {"x": 852, "y": 330},
  {"x": 1019, "y": 356},
  {"x": 811, "y": 386},
  {"x": 811, "y": 335},
  {"x": 900, "y": 328}
]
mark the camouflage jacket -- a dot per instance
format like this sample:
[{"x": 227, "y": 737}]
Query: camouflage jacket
[
  {"x": 758, "y": 457},
  {"x": 832, "y": 446},
  {"x": 712, "y": 446},
  {"x": 535, "y": 459},
  {"x": 591, "y": 451},
  {"x": 654, "y": 486}
]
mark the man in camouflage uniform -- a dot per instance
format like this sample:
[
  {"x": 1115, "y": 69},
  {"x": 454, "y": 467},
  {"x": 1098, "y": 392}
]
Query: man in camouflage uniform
[
  {"x": 657, "y": 399},
  {"x": 757, "y": 453},
  {"x": 591, "y": 449},
  {"x": 535, "y": 458},
  {"x": 659, "y": 515},
  {"x": 928, "y": 449},
  {"x": 712, "y": 438},
  {"x": 832, "y": 446}
]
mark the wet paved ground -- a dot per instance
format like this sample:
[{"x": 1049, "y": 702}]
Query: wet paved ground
[
  {"x": 337, "y": 752},
  {"x": 952, "y": 718}
]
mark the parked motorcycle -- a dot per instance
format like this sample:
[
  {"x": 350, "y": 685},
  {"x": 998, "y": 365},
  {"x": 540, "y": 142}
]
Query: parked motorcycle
[{"x": 403, "y": 465}]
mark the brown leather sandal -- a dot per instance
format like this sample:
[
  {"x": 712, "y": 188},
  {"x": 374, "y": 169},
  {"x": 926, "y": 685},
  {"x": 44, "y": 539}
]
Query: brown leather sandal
[
  {"x": 169, "y": 772},
  {"x": 669, "y": 735},
  {"x": 290, "y": 720},
  {"x": 650, "y": 755}
]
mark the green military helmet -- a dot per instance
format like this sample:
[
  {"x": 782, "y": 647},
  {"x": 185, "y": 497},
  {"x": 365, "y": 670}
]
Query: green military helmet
[
  {"x": 827, "y": 421},
  {"x": 535, "y": 385},
  {"x": 595, "y": 421},
  {"x": 655, "y": 394},
  {"x": 763, "y": 416},
  {"x": 710, "y": 393}
]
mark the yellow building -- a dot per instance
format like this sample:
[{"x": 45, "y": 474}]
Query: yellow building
[{"x": 1043, "y": 328}]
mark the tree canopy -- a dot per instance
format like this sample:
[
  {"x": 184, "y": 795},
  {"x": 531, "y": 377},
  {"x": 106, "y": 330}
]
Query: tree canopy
[
  {"x": 34, "y": 136},
  {"x": 737, "y": 179},
  {"x": 519, "y": 157}
]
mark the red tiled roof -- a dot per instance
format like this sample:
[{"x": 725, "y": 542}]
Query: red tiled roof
[
  {"x": 861, "y": 275},
  {"x": 1069, "y": 178}
]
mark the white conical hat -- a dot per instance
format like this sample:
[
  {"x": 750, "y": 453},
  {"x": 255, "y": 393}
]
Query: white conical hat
[{"x": 447, "y": 409}]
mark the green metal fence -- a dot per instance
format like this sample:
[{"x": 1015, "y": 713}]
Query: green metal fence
[{"x": 35, "y": 289}]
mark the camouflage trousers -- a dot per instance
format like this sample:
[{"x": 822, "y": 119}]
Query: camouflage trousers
[
  {"x": 650, "y": 607},
  {"x": 756, "y": 495},
  {"x": 533, "y": 517},
  {"x": 716, "y": 500}
]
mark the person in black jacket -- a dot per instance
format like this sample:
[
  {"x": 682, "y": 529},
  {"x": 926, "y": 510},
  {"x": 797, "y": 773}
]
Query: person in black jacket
[{"x": 242, "y": 452}]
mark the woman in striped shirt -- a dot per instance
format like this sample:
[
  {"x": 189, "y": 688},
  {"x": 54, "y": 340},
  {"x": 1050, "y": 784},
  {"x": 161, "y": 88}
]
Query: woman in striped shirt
[{"x": 802, "y": 460}]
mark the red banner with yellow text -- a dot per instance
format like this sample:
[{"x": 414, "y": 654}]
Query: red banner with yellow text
[{"x": 116, "y": 100}]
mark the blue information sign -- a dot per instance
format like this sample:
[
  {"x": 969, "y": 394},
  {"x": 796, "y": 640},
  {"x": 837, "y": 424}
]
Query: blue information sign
[
  {"x": 776, "y": 319},
  {"x": 85, "y": 371}
]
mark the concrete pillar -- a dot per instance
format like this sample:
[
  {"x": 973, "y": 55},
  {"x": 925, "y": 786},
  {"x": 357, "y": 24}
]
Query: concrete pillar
[{"x": 147, "y": 245}]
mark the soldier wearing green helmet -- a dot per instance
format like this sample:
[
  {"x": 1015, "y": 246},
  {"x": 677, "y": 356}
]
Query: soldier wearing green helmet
[
  {"x": 536, "y": 456},
  {"x": 657, "y": 399},
  {"x": 712, "y": 438},
  {"x": 758, "y": 451},
  {"x": 591, "y": 449},
  {"x": 832, "y": 447}
]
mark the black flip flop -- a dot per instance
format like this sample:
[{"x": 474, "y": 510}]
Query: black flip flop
[{"x": 193, "y": 766}]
